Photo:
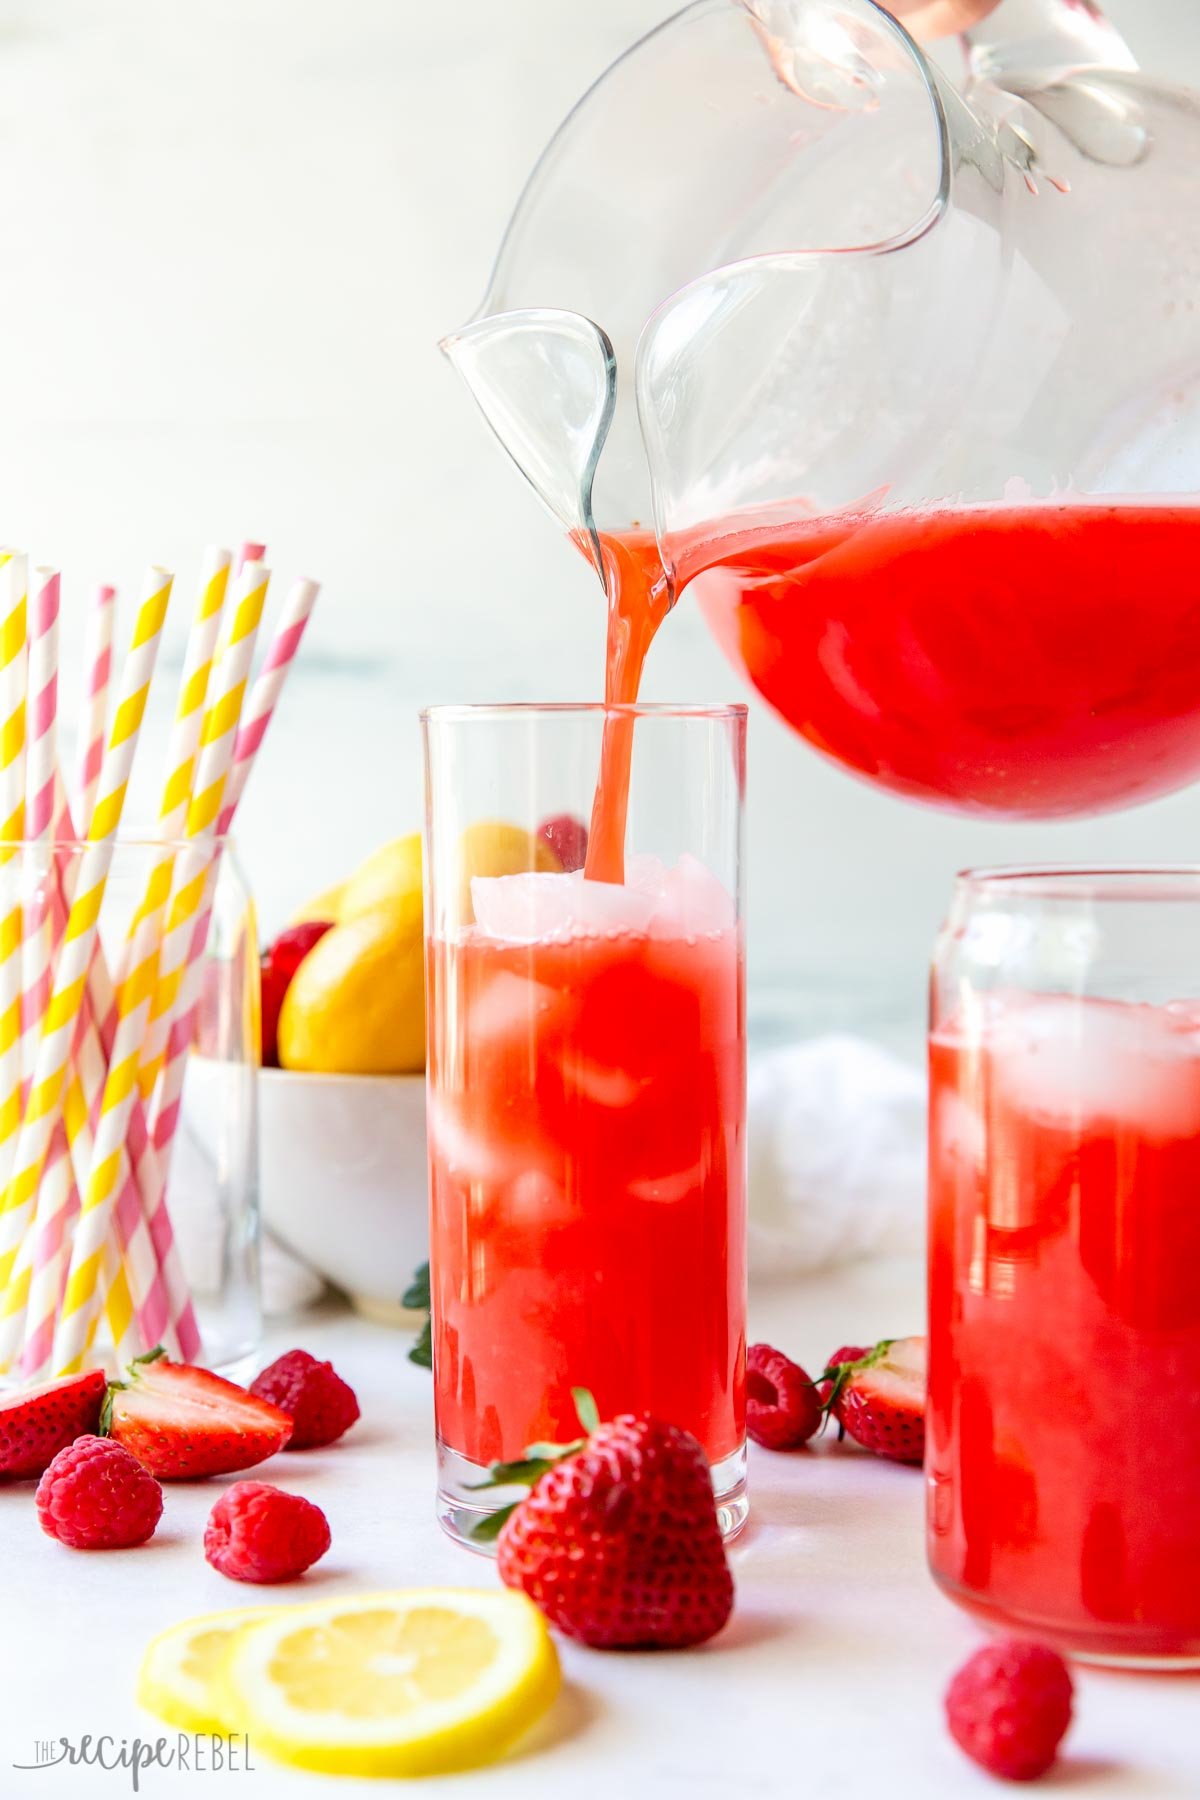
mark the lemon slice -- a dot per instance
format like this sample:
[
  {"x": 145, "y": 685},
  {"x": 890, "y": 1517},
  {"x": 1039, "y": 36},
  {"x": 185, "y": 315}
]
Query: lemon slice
[
  {"x": 176, "y": 1677},
  {"x": 412, "y": 1683}
]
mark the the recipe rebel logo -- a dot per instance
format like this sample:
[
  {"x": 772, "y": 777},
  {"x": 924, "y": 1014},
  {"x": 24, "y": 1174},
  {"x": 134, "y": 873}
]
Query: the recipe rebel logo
[{"x": 196, "y": 1753}]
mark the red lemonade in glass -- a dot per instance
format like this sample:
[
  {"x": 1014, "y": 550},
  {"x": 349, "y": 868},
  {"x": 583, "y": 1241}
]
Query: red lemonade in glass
[
  {"x": 1064, "y": 1407},
  {"x": 586, "y": 1124}
]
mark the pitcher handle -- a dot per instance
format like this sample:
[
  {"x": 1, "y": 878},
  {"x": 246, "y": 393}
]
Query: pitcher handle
[{"x": 1034, "y": 36}]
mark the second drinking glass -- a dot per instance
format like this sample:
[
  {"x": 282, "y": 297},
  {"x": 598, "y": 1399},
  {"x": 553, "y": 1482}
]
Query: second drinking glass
[{"x": 586, "y": 1084}]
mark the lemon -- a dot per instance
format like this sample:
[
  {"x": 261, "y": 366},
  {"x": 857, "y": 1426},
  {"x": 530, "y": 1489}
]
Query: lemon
[
  {"x": 326, "y": 906},
  {"x": 356, "y": 1004},
  {"x": 490, "y": 847},
  {"x": 175, "y": 1681},
  {"x": 416, "y": 1683},
  {"x": 385, "y": 880}
]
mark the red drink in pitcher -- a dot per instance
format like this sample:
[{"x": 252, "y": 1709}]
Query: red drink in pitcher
[
  {"x": 1033, "y": 660},
  {"x": 1064, "y": 1406}
]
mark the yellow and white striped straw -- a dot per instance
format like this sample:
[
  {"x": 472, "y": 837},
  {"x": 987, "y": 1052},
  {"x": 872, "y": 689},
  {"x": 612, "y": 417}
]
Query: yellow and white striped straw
[
  {"x": 13, "y": 690},
  {"x": 46, "y": 1092},
  {"x": 128, "y": 1313},
  {"x": 151, "y": 972},
  {"x": 218, "y": 739}
]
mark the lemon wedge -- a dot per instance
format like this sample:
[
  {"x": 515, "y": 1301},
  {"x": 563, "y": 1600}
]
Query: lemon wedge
[
  {"x": 175, "y": 1681},
  {"x": 410, "y": 1683}
]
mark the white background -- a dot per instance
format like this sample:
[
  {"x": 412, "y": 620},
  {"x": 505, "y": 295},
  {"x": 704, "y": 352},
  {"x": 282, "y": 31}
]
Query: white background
[{"x": 232, "y": 233}]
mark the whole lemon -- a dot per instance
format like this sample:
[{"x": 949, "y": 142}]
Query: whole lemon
[
  {"x": 356, "y": 1005},
  {"x": 325, "y": 907},
  {"x": 387, "y": 879}
]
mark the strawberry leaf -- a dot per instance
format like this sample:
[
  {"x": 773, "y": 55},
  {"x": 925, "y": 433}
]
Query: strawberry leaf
[
  {"x": 416, "y": 1298},
  {"x": 416, "y": 1295},
  {"x": 492, "y": 1524},
  {"x": 585, "y": 1407},
  {"x": 422, "y": 1347}
]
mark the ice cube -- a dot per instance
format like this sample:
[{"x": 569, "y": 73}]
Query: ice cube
[
  {"x": 692, "y": 902},
  {"x": 457, "y": 1149},
  {"x": 511, "y": 1007},
  {"x": 667, "y": 1190},
  {"x": 530, "y": 908},
  {"x": 1066, "y": 1060}
]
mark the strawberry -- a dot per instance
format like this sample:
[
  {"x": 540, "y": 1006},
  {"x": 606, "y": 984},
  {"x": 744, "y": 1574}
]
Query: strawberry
[
  {"x": 879, "y": 1398},
  {"x": 182, "y": 1422},
  {"x": 567, "y": 836},
  {"x": 618, "y": 1542},
  {"x": 847, "y": 1354},
  {"x": 36, "y": 1423},
  {"x": 279, "y": 965}
]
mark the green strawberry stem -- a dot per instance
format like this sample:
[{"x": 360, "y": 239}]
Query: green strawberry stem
[
  {"x": 537, "y": 1461},
  {"x": 116, "y": 1386},
  {"x": 839, "y": 1374}
]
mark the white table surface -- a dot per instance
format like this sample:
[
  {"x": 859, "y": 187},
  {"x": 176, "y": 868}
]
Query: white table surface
[{"x": 826, "y": 1685}]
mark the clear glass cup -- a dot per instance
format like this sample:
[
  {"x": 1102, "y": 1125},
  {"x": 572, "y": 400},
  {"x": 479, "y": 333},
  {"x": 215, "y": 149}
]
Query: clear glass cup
[
  {"x": 1063, "y": 1458},
  {"x": 185, "y": 1206},
  {"x": 586, "y": 1086}
]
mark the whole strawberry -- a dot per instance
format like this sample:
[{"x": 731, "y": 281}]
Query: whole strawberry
[
  {"x": 618, "y": 1544},
  {"x": 96, "y": 1496},
  {"x": 879, "y": 1398},
  {"x": 319, "y": 1403},
  {"x": 1009, "y": 1707},
  {"x": 783, "y": 1406}
]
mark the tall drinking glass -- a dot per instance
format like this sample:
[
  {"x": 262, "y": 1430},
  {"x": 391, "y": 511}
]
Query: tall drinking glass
[
  {"x": 586, "y": 1085},
  {"x": 1063, "y": 1464}
]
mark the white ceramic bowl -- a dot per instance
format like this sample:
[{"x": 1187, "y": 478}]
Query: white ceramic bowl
[{"x": 344, "y": 1179}]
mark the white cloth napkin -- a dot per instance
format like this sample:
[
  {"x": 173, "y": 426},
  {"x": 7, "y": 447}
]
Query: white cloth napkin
[{"x": 836, "y": 1130}]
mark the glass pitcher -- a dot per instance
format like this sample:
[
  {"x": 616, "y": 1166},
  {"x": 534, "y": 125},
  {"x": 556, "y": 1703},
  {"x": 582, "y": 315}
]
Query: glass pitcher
[{"x": 903, "y": 375}]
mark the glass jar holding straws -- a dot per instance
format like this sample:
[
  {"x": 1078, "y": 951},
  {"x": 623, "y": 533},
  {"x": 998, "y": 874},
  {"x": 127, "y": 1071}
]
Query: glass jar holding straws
[{"x": 129, "y": 986}]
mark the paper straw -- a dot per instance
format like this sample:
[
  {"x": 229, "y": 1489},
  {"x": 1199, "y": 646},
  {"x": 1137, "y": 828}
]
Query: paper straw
[
  {"x": 93, "y": 718},
  {"x": 67, "y": 994},
  {"x": 151, "y": 968},
  {"x": 13, "y": 689},
  {"x": 134, "y": 1329},
  {"x": 250, "y": 553},
  {"x": 41, "y": 774},
  {"x": 259, "y": 710},
  {"x": 145, "y": 1319}
]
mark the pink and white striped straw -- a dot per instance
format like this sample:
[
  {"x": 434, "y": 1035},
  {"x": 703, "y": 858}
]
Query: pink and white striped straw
[
  {"x": 256, "y": 717},
  {"x": 93, "y": 716},
  {"x": 249, "y": 552}
]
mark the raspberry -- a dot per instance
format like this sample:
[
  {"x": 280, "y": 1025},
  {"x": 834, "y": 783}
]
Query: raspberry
[
  {"x": 319, "y": 1403},
  {"x": 96, "y": 1496},
  {"x": 256, "y": 1532},
  {"x": 783, "y": 1407},
  {"x": 1009, "y": 1707}
]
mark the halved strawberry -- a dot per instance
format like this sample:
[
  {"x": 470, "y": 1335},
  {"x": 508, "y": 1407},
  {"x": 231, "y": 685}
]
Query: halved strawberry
[
  {"x": 183, "y": 1422},
  {"x": 879, "y": 1398},
  {"x": 37, "y": 1422}
]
